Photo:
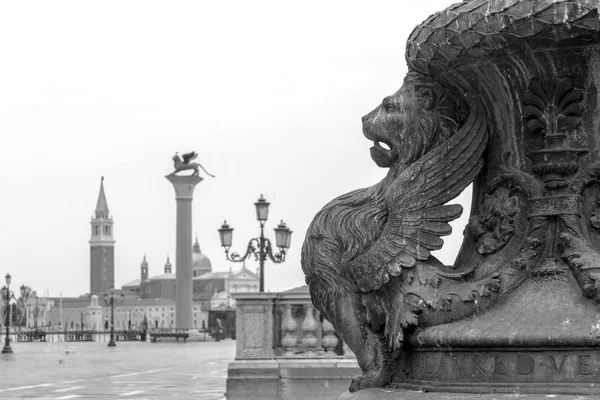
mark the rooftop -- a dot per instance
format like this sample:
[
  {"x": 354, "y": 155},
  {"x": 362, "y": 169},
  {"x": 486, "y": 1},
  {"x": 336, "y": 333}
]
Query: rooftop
[
  {"x": 133, "y": 283},
  {"x": 102, "y": 205},
  {"x": 213, "y": 275},
  {"x": 163, "y": 276}
]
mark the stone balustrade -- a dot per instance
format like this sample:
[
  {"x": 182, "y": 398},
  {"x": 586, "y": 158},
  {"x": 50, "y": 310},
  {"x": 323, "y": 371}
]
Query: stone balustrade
[
  {"x": 283, "y": 325},
  {"x": 300, "y": 330},
  {"x": 284, "y": 346}
]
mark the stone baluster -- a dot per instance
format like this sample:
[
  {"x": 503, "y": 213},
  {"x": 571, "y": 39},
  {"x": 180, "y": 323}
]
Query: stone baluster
[
  {"x": 290, "y": 336},
  {"x": 329, "y": 341},
  {"x": 309, "y": 328}
]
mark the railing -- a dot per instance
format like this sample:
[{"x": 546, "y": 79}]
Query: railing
[
  {"x": 30, "y": 336},
  {"x": 300, "y": 329},
  {"x": 53, "y": 335},
  {"x": 79, "y": 336},
  {"x": 284, "y": 325},
  {"x": 128, "y": 335}
]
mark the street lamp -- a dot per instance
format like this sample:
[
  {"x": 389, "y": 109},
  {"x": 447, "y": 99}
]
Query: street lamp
[
  {"x": 260, "y": 247},
  {"x": 111, "y": 300},
  {"x": 7, "y": 295}
]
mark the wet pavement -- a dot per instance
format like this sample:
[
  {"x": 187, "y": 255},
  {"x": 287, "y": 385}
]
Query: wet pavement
[{"x": 132, "y": 370}]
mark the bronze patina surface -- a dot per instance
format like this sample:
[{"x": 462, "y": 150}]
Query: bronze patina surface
[
  {"x": 502, "y": 94},
  {"x": 187, "y": 163}
]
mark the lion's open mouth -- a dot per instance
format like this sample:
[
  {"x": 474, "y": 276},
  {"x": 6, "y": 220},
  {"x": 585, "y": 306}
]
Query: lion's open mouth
[
  {"x": 378, "y": 142},
  {"x": 383, "y": 152},
  {"x": 383, "y": 144}
]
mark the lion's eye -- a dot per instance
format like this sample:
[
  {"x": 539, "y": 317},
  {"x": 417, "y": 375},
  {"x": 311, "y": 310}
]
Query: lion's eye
[
  {"x": 390, "y": 108},
  {"x": 388, "y": 104}
]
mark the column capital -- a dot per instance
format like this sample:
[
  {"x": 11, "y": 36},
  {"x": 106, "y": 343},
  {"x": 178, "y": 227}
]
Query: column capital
[{"x": 184, "y": 185}]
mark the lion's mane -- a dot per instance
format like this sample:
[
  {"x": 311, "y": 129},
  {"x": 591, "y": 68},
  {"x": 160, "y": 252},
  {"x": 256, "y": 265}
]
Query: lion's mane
[{"x": 441, "y": 112}]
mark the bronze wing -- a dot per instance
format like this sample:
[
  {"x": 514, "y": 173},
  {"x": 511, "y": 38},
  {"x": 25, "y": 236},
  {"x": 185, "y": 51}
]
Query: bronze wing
[
  {"x": 418, "y": 214},
  {"x": 187, "y": 157}
]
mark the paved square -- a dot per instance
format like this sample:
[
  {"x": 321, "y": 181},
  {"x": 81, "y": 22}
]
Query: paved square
[{"x": 130, "y": 371}]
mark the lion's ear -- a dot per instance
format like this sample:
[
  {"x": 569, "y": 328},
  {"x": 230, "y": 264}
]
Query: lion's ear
[{"x": 425, "y": 98}]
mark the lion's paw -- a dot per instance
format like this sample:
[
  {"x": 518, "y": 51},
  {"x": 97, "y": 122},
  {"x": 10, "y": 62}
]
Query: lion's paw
[{"x": 364, "y": 382}]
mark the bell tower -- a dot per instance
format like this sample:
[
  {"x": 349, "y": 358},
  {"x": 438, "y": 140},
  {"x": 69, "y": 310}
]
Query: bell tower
[{"x": 102, "y": 246}]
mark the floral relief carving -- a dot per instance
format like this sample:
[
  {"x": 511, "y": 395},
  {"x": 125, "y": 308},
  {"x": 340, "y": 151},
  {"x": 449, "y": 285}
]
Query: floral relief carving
[
  {"x": 493, "y": 227},
  {"x": 552, "y": 107}
]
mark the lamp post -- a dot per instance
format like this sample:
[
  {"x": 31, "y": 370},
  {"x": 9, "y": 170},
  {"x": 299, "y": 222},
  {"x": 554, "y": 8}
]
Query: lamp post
[
  {"x": 111, "y": 300},
  {"x": 7, "y": 295},
  {"x": 260, "y": 247}
]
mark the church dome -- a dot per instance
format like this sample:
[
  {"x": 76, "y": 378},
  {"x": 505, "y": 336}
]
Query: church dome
[{"x": 200, "y": 263}]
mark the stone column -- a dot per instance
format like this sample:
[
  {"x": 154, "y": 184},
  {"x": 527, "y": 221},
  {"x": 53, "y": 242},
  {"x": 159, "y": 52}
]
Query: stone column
[{"x": 184, "y": 194}]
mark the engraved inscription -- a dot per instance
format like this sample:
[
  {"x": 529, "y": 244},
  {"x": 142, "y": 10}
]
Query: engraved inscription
[
  {"x": 477, "y": 360},
  {"x": 502, "y": 366},
  {"x": 584, "y": 365},
  {"x": 499, "y": 367},
  {"x": 525, "y": 365},
  {"x": 557, "y": 367}
]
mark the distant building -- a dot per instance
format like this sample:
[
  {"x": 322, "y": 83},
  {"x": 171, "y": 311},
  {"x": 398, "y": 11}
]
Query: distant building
[
  {"x": 200, "y": 263},
  {"x": 102, "y": 246},
  {"x": 152, "y": 297}
]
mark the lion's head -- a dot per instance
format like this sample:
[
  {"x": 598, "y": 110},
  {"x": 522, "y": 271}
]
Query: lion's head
[{"x": 412, "y": 121}]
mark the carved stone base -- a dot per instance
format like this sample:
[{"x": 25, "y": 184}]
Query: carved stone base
[
  {"x": 545, "y": 338},
  {"x": 401, "y": 394}
]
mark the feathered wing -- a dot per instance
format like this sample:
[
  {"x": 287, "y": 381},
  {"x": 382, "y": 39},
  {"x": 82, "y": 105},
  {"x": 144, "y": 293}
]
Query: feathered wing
[
  {"x": 418, "y": 216},
  {"x": 187, "y": 157}
]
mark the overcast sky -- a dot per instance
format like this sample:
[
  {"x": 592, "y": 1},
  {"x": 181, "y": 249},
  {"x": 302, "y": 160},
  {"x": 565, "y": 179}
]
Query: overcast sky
[{"x": 269, "y": 93}]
